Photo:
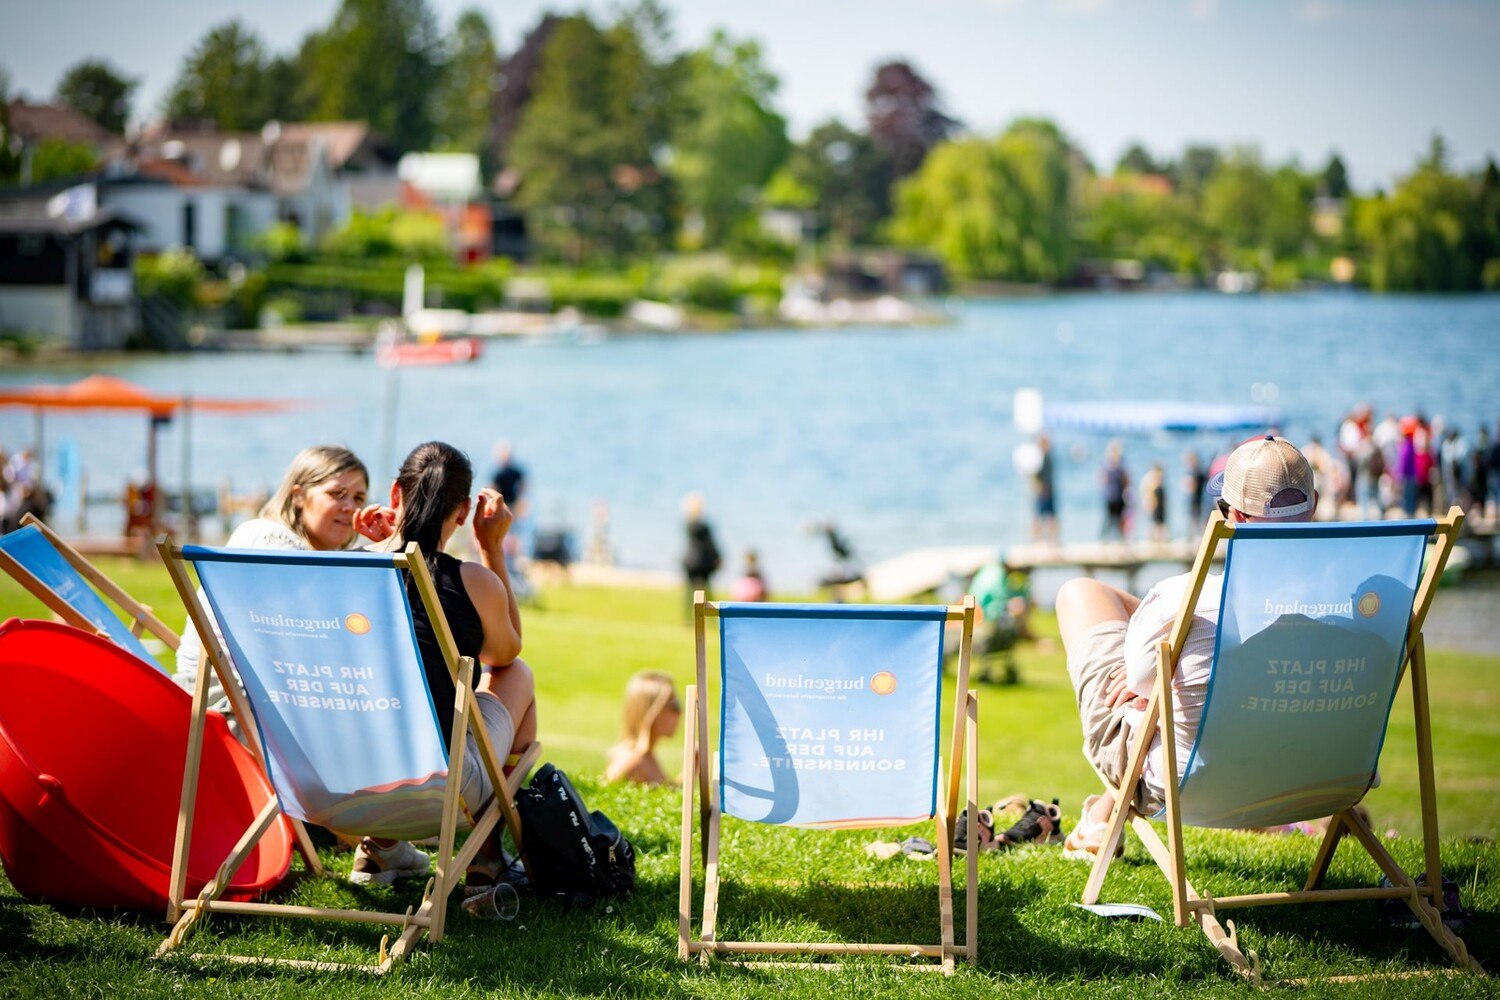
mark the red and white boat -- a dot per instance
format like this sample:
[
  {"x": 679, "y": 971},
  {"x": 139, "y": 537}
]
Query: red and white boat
[{"x": 446, "y": 351}]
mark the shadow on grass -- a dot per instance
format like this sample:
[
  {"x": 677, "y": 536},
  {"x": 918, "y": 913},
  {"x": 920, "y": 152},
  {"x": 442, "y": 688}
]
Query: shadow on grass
[{"x": 1357, "y": 933}]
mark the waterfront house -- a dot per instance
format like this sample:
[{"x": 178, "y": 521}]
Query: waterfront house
[{"x": 65, "y": 266}]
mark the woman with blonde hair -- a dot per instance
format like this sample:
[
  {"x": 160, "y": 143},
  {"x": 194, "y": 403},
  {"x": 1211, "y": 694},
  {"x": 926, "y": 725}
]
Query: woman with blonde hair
[
  {"x": 318, "y": 506},
  {"x": 651, "y": 712}
]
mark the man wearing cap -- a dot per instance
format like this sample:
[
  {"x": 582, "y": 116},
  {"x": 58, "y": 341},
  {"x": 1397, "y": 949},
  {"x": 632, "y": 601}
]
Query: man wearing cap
[{"x": 1111, "y": 636}]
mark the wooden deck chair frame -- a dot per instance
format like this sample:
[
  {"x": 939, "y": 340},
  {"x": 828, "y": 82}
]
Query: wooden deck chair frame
[
  {"x": 962, "y": 764},
  {"x": 429, "y": 917},
  {"x": 1189, "y": 905},
  {"x": 141, "y": 618}
]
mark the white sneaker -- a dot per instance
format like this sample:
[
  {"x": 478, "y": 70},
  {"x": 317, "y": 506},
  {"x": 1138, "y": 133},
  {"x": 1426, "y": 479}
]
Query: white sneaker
[{"x": 383, "y": 865}]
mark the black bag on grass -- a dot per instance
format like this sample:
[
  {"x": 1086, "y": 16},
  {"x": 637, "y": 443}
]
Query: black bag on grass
[{"x": 576, "y": 855}]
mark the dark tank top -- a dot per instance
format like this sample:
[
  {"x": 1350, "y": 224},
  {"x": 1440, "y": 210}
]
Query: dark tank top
[{"x": 463, "y": 622}]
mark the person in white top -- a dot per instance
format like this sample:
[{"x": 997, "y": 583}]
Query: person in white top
[
  {"x": 1111, "y": 636},
  {"x": 320, "y": 505}
]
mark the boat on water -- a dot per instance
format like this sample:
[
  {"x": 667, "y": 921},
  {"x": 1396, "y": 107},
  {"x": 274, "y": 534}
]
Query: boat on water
[{"x": 392, "y": 352}]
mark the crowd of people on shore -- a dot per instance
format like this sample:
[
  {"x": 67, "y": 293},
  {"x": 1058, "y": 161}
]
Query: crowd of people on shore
[
  {"x": 1398, "y": 466},
  {"x": 21, "y": 489}
]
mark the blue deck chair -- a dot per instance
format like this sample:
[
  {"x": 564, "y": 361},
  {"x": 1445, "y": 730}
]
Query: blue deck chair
[
  {"x": 1318, "y": 623},
  {"x": 829, "y": 717},
  {"x": 325, "y": 650},
  {"x": 74, "y": 589}
]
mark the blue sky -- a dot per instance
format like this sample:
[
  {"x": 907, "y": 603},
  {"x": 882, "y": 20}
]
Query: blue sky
[{"x": 1371, "y": 78}]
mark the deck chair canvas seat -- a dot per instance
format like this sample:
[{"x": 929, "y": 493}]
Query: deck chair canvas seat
[
  {"x": 1318, "y": 625},
  {"x": 333, "y": 680},
  {"x": 75, "y": 589},
  {"x": 829, "y": 717}
]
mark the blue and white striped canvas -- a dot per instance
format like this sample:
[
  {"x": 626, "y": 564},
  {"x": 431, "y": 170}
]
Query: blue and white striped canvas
[
  {"x": 324, "y": 646},
  {"x": 830, "y": 713},
  {"x": 1311, "y": 640}
]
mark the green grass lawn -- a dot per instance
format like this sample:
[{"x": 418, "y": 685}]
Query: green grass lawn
[{"x": 584, "y": 643}]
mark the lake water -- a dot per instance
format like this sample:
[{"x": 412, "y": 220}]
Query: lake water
[{"x": 904, "y": 437}]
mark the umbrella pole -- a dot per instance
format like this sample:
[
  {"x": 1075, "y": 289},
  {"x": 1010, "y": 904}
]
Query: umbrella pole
[
  {"x": 189, "y": 515},
  {"x": 151, "y": 487},
  {"x": 40, "y": 446}
]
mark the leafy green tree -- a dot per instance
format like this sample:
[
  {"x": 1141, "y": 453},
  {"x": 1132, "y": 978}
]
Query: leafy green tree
[
  {"x": 468, "y": 88},
  {"x": 728, "y": 141},
  {"x": 518, "y": 79},
  {"x": 1489, "y": 218},
  {"x": 1427, "y": 236},
  {"x": 1137, "y": 160},
  {"x": 1289, "y": 213},
  {"x": 1155, "y": 227},
  {"x": 10, "y": 163},
  {"x": 1334, "y": 182},
  {"x": 58, "y": 159},
  {"x": 1237, "y": 200},
  {"x": 583, "y": 158},
  {"x": 223, "y": 80},
  {"x": 96, "y": 89},
  {"x": 840, "y": 174},
  {"x": 994, "y": 208},
  {"x": 1190, "y": 174},
  {"x": 379, "y": 61},
  {"x": 285, "y": 92}
]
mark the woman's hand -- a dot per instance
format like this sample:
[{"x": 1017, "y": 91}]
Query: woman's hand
[
  {"x": 375, "y": 522},
  {"x": 492, "y": 519},
  {"x": 1116, "y": 693}
]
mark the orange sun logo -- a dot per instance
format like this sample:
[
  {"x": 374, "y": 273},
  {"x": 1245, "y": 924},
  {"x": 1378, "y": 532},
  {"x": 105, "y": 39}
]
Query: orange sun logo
[
  {"x": 883, "y": 682},
  {"x": 357, "y": 624},
  {"x": 1369, "y": 604}
]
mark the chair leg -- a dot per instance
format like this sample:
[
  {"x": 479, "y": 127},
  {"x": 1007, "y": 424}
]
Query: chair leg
[
  {"x": 1326, "y": 849},
  {"x": 1227, "y": 942},
  {"x": 685, "y": 872}
]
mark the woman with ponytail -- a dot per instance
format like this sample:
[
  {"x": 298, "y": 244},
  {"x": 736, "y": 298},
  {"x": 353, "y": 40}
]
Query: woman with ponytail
[{"x": 430, "y": 500}]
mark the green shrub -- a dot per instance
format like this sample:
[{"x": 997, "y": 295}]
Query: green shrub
[
  {"x": 280, "y": 310},
  {"x": 602, "y": 295},
  {"x": 174, "y": 275},
  {"x": 282, "y": 242},
  {"x": 419, "y": 236},
  {"x": 246, "y": 299}
]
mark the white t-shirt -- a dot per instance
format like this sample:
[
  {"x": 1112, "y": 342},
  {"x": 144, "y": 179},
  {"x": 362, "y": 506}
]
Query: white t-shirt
[
  {"x": 1149, "y": 627},
  {"x": 257, "y": 533}
]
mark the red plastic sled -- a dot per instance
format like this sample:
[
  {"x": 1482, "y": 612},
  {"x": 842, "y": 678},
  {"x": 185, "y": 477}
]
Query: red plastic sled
[{"x": 92, "y": 743}]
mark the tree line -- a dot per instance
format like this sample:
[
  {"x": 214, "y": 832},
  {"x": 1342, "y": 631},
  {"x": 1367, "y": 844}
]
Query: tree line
[{"x": 618, "y": 143}]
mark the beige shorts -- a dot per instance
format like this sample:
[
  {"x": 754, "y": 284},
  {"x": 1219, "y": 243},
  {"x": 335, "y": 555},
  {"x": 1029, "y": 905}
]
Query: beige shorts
[
  {"x": 477, "y": 789},
  {"x": 1106, "y": 730}
]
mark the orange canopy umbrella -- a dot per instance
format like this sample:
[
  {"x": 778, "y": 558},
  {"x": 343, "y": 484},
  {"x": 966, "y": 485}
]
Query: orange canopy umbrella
[{"x": 107, "y": 392}]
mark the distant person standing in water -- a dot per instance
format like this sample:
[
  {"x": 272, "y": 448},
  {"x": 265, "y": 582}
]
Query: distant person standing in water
[{"x": 1115, "y": 482}]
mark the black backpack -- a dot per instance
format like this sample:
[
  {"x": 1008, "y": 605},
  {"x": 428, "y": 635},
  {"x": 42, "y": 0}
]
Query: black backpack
[{"x": 576, "y": 855}]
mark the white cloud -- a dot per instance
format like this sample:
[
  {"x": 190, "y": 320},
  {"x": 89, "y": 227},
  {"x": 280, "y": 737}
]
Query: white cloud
[{"x": 1203, "y": 10}]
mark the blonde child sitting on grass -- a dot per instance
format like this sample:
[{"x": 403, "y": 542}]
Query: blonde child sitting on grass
[{"x": 650, "y": 713}]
